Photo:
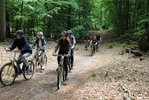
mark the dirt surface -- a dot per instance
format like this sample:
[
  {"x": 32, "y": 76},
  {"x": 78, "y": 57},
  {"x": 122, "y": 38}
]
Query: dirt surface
[{"x": 93, "y": 78}]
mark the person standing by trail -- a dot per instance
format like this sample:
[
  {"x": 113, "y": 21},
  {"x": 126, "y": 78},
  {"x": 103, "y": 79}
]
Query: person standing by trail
[{"x": 73, "y": 44}]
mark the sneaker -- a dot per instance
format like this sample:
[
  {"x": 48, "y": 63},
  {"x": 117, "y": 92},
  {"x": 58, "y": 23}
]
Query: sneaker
[{"x": 43, "y": 67}]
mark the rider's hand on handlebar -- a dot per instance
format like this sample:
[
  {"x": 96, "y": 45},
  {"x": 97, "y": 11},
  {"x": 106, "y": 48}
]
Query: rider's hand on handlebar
[
  {"x": 54, "y": 54},
  {"x": 7, "y": 49}
]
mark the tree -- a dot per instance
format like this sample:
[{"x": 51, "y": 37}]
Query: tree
[{"x": 2, "y": 20}]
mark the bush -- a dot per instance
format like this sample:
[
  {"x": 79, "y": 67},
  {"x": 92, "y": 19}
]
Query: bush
[
  {"x": 111, "y": 45},
  {"x": 78, "y": 30},
  {"x": 123, "y": 45}
]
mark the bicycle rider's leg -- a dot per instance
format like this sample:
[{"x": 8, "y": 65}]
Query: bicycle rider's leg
[
  {"x": 42, "y": 59},
  {"x": 66, "y": 67},
  {"x": 36, "y": 53},
  {"x": 24, "y": 57},
  {"x": 19, "y": 61},
  {"x": 72, "y": 56}
]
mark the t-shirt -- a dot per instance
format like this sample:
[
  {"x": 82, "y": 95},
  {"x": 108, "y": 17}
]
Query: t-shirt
[
  {"x": 64, "y": 46},
  {"x": 40, "y": 44},
  {"x": 94, "y": 41},
  {"x": 98, "y": 37}
]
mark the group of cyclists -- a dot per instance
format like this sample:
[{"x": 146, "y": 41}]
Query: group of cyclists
[
  {"x": 95, "y": 41},
  {"x": 65, "y": 45}
]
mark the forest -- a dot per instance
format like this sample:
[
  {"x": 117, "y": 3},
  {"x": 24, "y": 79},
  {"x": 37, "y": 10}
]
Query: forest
[
  {"x": 127, "y": 18},
  {"x": 95, "y": 69}
]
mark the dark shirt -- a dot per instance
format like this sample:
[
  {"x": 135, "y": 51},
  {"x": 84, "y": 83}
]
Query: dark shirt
[
  {"x": 22, "y": 45},
  {"x": 63, "y": 46},
  {"x": 94, "y": 41},
  {"x": 98, "y": 37}
]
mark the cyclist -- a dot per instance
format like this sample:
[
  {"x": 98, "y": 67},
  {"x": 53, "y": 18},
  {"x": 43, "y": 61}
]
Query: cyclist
[
  {"x": 41, "y": 46},
  {"x": 63, "y": 45},
  {"x": 22, "y": 44},
  {"x": 87, "y": 41},
  {"x": 93, "y": 42},
  {"x": 98, "y": 37},
  {"x": 73, "y": 44}
]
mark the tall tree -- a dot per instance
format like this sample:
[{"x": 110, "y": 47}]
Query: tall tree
[{"x": 2, "y": 20}]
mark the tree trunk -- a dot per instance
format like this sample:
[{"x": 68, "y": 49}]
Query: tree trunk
[
  {"x": 8, "y": 33},
  {"x": 2, "y": 20}
]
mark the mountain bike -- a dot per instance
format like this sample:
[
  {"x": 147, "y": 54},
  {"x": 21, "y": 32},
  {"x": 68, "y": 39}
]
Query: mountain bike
[
  {"x": 61, "y": 74},
  {"x": 38, "y": 60},
  {"x": 93, "y": 48},
  {"x": 11, "y": 70},
  {"x": 87, "y": 42}
]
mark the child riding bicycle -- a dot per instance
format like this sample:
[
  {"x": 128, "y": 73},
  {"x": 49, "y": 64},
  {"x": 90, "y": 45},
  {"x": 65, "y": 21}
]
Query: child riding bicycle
[
  {"x": 41, "y": 46},
  {"x": 23, "y": 45}
]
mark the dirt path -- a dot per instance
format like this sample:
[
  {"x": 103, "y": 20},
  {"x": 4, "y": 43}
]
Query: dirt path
[
  {"x": 44, "y": 84},
  {"x": 93, "y": 78}
]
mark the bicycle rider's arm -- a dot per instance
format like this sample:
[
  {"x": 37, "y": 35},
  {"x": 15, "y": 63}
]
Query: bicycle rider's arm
[
  {"x": 44, "y": 44},
  {"x": 34, "y": 43},
  {"x": 14, "y": 45},
  {"x": 100, "y": 39},
  {"x": 56, "y": 47}
]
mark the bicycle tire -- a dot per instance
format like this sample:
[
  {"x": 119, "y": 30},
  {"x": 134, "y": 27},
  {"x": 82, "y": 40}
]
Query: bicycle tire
[
  {"x": 30, "y": 69},
  {"x": 59, "y": 77},
  {"x": 92, "y": 52},
  {"x": 14, "y": 76}
]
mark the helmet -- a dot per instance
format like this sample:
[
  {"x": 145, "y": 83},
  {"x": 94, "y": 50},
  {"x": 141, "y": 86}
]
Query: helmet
[
  {"x": 19, "y": 32},
  {"x": 64, "y": 33},
  {"x": 69, "y": 31},
  {"x": 40, "y": 33}
]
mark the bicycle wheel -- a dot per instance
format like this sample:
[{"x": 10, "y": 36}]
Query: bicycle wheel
[
  {"x": 28, "y": 71},
  {"x": 7, "y": 74},
  {"x": 92, "y": 51},
  {"x": 59, "y": 77}
]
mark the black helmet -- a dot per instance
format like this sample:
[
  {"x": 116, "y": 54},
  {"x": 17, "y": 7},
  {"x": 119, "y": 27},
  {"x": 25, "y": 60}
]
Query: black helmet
[{"x": 19, "y": 32}]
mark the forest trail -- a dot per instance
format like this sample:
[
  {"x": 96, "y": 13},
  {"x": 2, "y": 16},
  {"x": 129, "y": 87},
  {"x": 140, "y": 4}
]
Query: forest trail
[
  {"x": 44, "y": 84},
  {"x": 92, "y": 78}
]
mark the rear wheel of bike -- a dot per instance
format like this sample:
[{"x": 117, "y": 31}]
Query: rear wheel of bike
[
  {"x": 7, "y": 74},
  {"x": 45, "y": 60},
  {"x": 28, "y": 71}
]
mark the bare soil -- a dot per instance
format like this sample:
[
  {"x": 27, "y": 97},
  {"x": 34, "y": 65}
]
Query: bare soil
[{"x": 95, "y": 77}]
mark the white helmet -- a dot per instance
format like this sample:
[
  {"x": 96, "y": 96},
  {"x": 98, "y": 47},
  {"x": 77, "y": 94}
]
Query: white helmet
[
  {"x": 40, "y": 33},
  {"x": 69, "y": 31}
]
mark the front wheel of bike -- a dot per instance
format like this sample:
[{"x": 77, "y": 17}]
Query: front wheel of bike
[
  {"x": 92, "y": 51},
  {"x": 7, "y": 74},
  {"x": 28, "y": 71},
  {"x": 59, "y": 77}
]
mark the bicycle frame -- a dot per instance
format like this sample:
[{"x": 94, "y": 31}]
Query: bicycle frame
[{"x": 14, "y": 61}]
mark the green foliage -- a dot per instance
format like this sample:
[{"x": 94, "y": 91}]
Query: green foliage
[
  {"x": 78, "y": 30},
  {"x": 124, "y": 17},
  {"x": 123, "y": 45},
  {"x": 52, "y": 16},
  {"x": 111, "y": 45}
]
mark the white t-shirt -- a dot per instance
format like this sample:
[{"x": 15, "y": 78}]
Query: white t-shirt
[{"x": 40, "y": 44}]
